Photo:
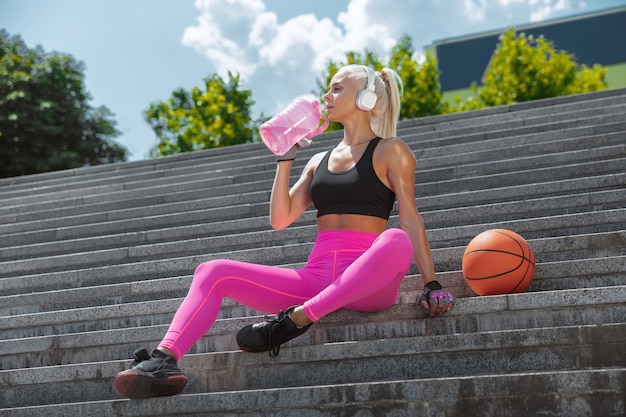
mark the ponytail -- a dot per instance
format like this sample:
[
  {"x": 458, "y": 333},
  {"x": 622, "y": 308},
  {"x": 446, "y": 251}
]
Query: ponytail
[{"x": 384, "y": 116}]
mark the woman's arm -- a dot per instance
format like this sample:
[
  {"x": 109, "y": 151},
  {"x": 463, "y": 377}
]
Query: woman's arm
[
  {"x": 286, "y": 205},
  {"x": 400, "y": 163},
  {"x": 400, "y": 169}
]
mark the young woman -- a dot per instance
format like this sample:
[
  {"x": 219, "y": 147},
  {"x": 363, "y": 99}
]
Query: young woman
[{"x": 356, "y": 263}]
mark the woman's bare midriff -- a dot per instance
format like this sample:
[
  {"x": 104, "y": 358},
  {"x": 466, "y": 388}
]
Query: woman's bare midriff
[{"x": 354, "y": 222}]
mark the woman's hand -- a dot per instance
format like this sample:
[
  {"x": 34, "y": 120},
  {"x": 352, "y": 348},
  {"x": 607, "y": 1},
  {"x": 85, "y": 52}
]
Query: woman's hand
[{"x": 435, "y": 299}]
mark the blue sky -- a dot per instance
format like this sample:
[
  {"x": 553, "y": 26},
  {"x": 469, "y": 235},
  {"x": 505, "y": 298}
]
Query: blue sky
[{"x": 139, "y": 51}]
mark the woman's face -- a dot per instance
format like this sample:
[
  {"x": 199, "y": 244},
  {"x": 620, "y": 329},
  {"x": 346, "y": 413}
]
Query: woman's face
[{"x": 341, "y": 96}]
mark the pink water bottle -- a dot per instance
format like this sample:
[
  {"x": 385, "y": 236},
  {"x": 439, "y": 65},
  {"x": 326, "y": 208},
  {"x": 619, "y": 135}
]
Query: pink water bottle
[{"x": 298, "y": 123}]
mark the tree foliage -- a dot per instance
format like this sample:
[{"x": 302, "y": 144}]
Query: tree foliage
[
  {"x": 421, "y": 95},
  {"x": 521, "y": 69},
  {"x": 422, "y": 91},
  {"x": 200, "y": 119},
  {"x": 524, "y": 68},
  {"x": 46, "y": 123}
]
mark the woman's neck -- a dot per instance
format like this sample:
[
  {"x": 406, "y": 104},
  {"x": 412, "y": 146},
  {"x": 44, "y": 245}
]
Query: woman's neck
[{"x": 354, "y": 135}]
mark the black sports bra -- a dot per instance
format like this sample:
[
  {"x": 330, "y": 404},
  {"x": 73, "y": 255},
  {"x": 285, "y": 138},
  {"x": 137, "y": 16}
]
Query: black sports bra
[{"x": 355, "y": 191}]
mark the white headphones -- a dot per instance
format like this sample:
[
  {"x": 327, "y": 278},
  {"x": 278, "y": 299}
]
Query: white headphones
[{"x": 366, "y": 99}]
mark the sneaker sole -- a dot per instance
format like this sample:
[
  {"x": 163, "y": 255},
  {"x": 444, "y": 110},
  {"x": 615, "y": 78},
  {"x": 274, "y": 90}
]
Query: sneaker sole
[{"x": 135, "y": 385}]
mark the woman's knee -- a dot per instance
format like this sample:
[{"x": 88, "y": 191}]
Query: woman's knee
[
  {"x": 397, "y": 241},
  {"x": 215, "y": 266},
  {"x": 209, "y": 272},
  {"x": 397, "y": 235}
]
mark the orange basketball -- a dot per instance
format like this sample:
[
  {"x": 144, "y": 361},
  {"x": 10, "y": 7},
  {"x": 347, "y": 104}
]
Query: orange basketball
[{"x": 498, "y": 261}]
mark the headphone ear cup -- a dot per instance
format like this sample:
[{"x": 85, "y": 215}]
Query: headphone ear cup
[{"x": 366, "y": 100}]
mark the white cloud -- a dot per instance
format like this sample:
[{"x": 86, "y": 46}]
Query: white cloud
[
  {"x": 362, "y": 28},
  {"x": 299, "y": 42},
  {"x": 506, "y": 3},
  {"x": 281, "y": 60},
  {"x": 218, "y": 34},
  {"x": 545, "y": 9},
  {"x": 475, "y": 10},
  {"x": 539, "y": 10}
]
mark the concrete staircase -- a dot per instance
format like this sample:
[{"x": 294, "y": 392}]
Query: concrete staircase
[{"x": 95, "y": 261}]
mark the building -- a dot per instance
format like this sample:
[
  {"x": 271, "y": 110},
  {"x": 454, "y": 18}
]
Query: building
[{"x": 594, "y": 38}]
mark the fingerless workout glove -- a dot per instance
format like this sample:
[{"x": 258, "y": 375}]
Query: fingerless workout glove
[
  {"x": 434, "y": 294},
  {"x": 290, "y": 155}
]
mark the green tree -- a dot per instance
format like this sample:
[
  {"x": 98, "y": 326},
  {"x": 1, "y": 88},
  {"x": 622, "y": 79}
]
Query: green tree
[
  {"x": 421, "y": 95},
  {"x": 46, "y": 123},
  {"x": 422, "y": 91},
  {"x": 200, "y": 119},
  {"x": 524, "y": 68}
]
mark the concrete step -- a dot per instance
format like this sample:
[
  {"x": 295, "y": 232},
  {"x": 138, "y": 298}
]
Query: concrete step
[
  {"x": 575, "y": 393},
  {"x": 400, "y": 357},
  {"x": 607, "y": 221},
  {"x": 225, "y": 174},
  {"x": 586, "y": 222},
  {"x": 575, "y": 164},
  {"x": 524, "y": 146},
  {"x": 579, "y": 270},
  {"x": 531, "y": 109},
  {"x": 514, "y": 120},
  {"x": 94, "y": 263},
  {"x": 112, "y": 331},
  {"x": 561, "y": 108},
  {"x": 446, "y": 259},
  {"x": 450, "y": 217},
  {"x": 494, "y": 196},
  {"x": 465, "y": 162}
]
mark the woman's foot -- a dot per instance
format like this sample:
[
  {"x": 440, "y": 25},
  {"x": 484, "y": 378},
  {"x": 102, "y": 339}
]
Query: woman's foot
[
  {"x": 154, "y": 375},
  {"x": 270, "y": 334}
]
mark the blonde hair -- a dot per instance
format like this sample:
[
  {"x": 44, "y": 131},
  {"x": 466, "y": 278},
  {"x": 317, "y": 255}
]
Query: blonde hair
[{"x": 388, "y": 88}]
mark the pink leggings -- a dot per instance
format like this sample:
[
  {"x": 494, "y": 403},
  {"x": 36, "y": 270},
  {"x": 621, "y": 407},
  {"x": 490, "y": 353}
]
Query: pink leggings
[{"x": 354, "y": 270}]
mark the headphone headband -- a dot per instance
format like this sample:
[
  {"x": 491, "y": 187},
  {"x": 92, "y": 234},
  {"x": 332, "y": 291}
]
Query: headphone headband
[
  {"x": 366, "y": 99},
  {"x": 371, "y": 78}
]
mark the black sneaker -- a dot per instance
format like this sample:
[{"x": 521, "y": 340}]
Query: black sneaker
[
  {"x": 269, "y": 335},
  {"x": 154, "y": 375}
]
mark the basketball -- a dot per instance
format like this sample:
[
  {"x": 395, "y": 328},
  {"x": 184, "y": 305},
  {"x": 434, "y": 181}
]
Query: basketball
[{"x": 498, "y": 261}]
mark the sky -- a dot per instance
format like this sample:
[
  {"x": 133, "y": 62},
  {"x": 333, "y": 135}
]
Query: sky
[{"x": 139, "y": 51}]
